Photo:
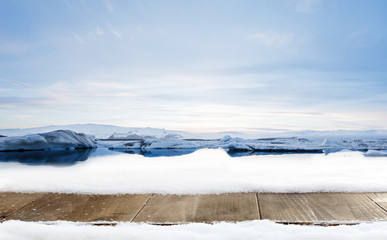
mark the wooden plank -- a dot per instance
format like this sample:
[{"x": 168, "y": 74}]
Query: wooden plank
[
  {"x": 380, "y": 199},
  {"x": 291, "y": 208},
  {"x": 199, "y": 208},
  {"x": 285, "y": 207},
  {"x": 50, "y": 208},
  {"x": 85, "y": 208},
  {"x": 344, "y": 207},
  {"x": 10, "y": 201},
  {"x": 113, "y": 208}
]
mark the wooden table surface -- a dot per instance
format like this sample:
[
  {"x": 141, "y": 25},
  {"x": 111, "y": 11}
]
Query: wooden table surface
[{"x": 289, "y": 208}]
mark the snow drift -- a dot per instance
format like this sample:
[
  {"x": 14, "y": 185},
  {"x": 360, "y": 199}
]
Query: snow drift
[
  {"x": 56, "y": 140},
  {"x": 258, "y": 229},
  {"x": 206, "y": 171}
]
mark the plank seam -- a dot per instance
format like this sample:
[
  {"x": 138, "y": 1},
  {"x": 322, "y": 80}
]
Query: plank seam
[
  {"x": 258, "y": 207},
  {"x": 6, "y": 216},
  {"x": 376, "y": 203},
  {"x": 142, "y": 207}
]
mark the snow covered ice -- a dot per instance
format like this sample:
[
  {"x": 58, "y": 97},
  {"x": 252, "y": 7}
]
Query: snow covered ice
[
  {"x": 376, "y": 153},
  {"x": 152, "y": 138},
  {"x": 56, "y": 140}
]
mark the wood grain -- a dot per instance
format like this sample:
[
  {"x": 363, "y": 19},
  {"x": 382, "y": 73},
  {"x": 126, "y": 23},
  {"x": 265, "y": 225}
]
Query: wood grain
[
  {"x": 289, "y": 208},
  {"x": 199, "y": 208},
  {"x": 85, "y": 208},
  {"x": 344, "y": 207},
  {"x": 285, "y": 207},
  {"x": 10, "y": 201},
  {"x": 113, "y": 208},
  {"x": 379, "y": 198}
]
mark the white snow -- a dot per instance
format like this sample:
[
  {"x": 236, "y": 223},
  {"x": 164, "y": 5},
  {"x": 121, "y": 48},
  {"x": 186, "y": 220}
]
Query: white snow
[
  {"x": 204, "y": 171},
  {"x": 61, "y": 139},
  {"x": 258, "y": 229}
]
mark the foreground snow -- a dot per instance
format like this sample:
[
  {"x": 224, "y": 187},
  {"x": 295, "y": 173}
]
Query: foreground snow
[
  {"x": 58, "y": 140},
  {"x": 204, "y": 171},
  {"x": 260, "y": 229}
]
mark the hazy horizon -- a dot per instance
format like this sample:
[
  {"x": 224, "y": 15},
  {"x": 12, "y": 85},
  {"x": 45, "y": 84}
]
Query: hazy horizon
[
  {"x": 195, "y": 66},
  {"x": 256, "y": 132}
]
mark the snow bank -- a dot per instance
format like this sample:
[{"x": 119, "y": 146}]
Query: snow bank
[
  {"x": 56, "y": 140},
  {"x": 204, "y": 171},
  {"x": 258, "y": 229}
]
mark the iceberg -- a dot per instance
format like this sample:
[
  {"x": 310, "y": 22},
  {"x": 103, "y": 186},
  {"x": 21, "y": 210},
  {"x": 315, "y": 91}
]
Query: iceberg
[
  {"x": 168, "y": 143},
  {"x": 56, "y": 140},
  {"x": 376, "y": 153}
]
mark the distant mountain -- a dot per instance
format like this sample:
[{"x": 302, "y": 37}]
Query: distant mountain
[
  {"x": 97, "y": 130},
  {"x": 106, "y": 131}
]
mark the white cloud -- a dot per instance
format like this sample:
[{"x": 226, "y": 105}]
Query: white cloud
[
  {"x": 114, "y": 31},
  {"x": 109, "y": 6},
  {"x": 78, "y": 38},
  {"x": 15, "y": 83},
  {"x": 99, "y": 30},
  {"x": 307, "y": 6},
  {"x": 271, "y": 39}
]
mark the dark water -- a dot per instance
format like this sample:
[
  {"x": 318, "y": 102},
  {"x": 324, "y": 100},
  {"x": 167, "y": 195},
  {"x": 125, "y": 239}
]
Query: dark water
[
  {"x": 158, "y": 152},
  {"x": 71, "y": 157},
  {"x": 58, "y": 157}
]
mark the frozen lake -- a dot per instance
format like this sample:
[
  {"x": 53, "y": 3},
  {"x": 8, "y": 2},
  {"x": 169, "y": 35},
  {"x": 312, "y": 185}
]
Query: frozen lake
[{"x": 189, "y": 171}]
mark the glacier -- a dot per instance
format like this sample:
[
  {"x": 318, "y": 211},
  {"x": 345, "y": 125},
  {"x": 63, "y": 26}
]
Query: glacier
[
  {"x": 147, "y": 139},
  {"x": 55, "y": 140}
]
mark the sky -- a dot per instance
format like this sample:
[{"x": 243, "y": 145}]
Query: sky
[{"x": 194, "y": 65}]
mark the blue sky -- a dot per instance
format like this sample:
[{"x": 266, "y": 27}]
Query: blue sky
[{"x": 194, "y": 65}]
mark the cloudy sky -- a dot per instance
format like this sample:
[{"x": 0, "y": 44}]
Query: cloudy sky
[{"x": 194, "y": 65}]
